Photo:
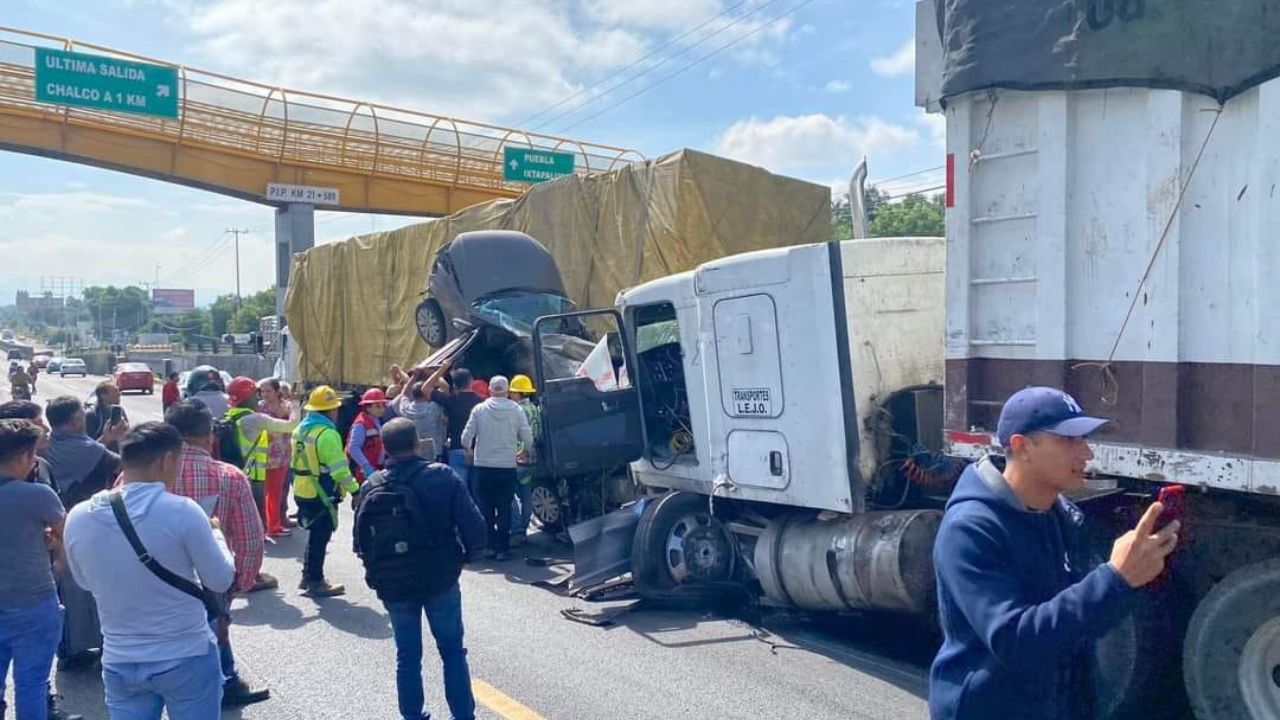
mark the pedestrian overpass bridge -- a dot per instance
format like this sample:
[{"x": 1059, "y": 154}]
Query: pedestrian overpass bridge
[{"x": 235, "y": 136}]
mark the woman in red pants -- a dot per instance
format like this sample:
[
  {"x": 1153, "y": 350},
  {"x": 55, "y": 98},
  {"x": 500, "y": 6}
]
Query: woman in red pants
[{"x": 276, "y": 404}]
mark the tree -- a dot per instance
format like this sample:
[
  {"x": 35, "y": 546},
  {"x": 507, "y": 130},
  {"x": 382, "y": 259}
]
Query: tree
[
  {"x": 111, "y": 308},
  {"x": 227, "y": 318},
  {"x": 913, "y": 216}
]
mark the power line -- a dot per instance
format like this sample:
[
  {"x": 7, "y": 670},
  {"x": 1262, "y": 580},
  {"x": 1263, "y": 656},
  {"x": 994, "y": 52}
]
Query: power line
[
  {"x": 910, "y": 174},
  {"x": 635, "y": 63},
  {"x": 685, "y": 68},
  {"x": 604, "y": 93}
]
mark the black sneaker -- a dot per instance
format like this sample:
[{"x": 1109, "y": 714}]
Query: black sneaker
[
  {"x": 79, "y": 661},
  {"x": 236, "y": 693}
]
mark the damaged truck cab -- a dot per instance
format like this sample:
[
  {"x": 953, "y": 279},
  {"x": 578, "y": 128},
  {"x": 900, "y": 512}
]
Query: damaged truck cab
[{"x": 753, "y": 388}]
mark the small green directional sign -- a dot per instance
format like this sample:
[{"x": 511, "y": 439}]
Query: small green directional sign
[
  {"x": 527, "y": 165},
  {"x": 106, "y": 83}
]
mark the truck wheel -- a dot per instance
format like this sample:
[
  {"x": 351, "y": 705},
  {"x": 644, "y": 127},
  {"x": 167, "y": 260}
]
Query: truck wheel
[
  {"x": 677, "y": 543},
  {"x": 430, "y": 322},
  {"x": 1231, "y": 656},
  {"x": 547, "y": 508},
  {"x": 1136, "y": 670}
]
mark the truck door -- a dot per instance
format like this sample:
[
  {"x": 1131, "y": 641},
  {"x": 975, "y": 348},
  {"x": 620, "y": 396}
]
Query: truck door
[{"x": 591, "y": 421}]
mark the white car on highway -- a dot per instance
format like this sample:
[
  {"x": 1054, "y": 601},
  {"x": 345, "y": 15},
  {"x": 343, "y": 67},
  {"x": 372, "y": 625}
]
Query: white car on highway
[{"x": 73, "y": 366}]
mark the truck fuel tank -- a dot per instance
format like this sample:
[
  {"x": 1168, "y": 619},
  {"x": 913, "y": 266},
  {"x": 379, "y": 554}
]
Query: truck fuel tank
[{"x": 869, "y": 561}]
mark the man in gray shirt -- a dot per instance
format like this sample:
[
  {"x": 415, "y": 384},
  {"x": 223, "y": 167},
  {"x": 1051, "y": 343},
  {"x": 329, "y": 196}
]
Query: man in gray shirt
[{"x": 30, "y": 616}]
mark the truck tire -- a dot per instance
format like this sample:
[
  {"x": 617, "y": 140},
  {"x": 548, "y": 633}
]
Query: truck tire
[
  {"x": 1231, "y": 656},
  {"x": 681, "y": 553},
  {"x": 430, "y": 323},
  {"x": 1135, "y": 665}
]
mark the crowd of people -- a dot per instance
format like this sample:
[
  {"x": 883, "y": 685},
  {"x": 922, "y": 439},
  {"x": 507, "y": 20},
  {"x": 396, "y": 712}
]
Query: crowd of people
[{"x": 102, "y": 517}]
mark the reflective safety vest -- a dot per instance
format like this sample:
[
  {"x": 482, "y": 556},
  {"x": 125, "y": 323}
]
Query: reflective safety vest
[
  {"x": 254, "y": 451},
  {"x": 320, "y": 469}
]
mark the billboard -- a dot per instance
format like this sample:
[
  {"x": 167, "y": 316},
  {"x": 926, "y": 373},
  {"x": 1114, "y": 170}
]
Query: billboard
[{"x": 172, "y": 302}]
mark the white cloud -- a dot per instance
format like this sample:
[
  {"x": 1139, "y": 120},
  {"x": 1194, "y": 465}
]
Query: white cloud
[
  {"x": 663, "y": 14},
  {"x": 901, "y": 62},
  {"x": 838, "y": 86},
  {"x": 77, "y": 201},
  {"x": 936, "y": 125},
  {"x": 482, "y": 60},
  {"x": 790, "y": 142}
]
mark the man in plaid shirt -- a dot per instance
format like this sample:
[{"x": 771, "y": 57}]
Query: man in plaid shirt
[{"x": 223, "y": 490}]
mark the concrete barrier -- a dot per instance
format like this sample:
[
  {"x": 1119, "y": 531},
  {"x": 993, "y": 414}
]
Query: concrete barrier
[{"x": 254, "y": 366}]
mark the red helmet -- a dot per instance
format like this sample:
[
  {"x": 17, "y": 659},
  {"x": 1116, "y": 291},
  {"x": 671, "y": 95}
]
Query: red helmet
[
  {"x": 373, "y": 397},
  {"x": 241, "y": 389}
]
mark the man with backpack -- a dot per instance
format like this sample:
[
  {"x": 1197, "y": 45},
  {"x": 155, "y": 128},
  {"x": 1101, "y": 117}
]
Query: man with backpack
[{"x": 416, "y": 526}]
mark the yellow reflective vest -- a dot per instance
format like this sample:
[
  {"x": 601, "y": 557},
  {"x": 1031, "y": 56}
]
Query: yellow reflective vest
[
  {"x": 320, "y": 469},
  {"x": 253, "y": 450}
]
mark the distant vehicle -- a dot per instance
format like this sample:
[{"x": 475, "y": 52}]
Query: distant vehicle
[
  {"x": 42, "y": 361},
  {"x": 185, "y": 376},
  {"x": 73, "y": 366},
  {"x": 6, "y": 335},
  {"x": 134, "y": 376},
  {"x": 54, "y": 365}
]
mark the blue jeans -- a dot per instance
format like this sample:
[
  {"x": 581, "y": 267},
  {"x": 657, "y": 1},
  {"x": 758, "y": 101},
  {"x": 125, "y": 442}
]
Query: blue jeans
[
  {"x": 524, "y": 496},
  {"x": 28, "y": 639},
  {"x": 458, "y": 462},
  {"x": 444, "y": 616},
  {"x": 191, "y": 688}
]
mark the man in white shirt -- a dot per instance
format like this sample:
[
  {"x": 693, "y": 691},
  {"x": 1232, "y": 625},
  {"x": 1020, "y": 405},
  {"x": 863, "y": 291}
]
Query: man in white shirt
[{"x": 158, "y": 649}]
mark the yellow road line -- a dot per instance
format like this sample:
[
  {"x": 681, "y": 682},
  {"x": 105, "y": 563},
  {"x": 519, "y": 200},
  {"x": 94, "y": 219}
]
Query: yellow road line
[{"x": 499, "y": 702}]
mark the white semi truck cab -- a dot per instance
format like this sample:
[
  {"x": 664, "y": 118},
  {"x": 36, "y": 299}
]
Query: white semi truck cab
[{"x": 771, "y": 390}]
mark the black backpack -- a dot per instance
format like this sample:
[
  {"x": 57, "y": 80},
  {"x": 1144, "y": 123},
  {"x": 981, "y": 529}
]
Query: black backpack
[
  {"x": 403, "y": 559},
  {"x": 226, "y": 441}
]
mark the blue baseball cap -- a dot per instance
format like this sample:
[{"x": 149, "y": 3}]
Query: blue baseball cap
[{"x": 1044, "y": 409}]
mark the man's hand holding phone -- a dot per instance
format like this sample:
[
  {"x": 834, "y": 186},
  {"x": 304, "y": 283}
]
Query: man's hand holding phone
[{"x": 1140, "y": 554}]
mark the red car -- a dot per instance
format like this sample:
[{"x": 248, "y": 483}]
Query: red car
[{"x": 134, "y": 376}]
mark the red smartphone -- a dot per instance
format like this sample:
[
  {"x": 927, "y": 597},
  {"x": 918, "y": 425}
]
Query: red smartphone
[{"x": 1171, "y": 498}]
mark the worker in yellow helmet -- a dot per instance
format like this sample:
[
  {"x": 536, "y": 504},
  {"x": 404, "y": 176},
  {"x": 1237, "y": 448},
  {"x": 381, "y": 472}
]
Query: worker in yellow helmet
[
  {"x": 522, "y": 392},
  {"x": 321, "y": 476}
]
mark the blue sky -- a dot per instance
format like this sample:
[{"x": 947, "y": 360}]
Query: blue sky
[{"x": 801, "y": 87}]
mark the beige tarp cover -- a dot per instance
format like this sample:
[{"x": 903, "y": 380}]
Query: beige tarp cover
[{"x": 350, "y": 304}]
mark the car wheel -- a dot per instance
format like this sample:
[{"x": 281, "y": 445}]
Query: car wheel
[
  {"x": 430, "y": 321},
  {"x": 547, "y": 508}
]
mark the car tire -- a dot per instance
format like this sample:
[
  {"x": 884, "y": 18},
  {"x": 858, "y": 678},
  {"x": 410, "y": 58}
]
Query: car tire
[
  {"x": 1231, "y": 648},
  {"x": 429, "y": 319}
]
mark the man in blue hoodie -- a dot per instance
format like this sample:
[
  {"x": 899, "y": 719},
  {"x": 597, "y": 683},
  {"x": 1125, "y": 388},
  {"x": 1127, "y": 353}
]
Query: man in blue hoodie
[{"x": 1020, "y": 604}]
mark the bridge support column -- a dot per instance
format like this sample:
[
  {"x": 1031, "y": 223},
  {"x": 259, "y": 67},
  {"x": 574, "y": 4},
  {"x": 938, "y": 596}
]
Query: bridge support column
[{"x": 295, "y": 232}]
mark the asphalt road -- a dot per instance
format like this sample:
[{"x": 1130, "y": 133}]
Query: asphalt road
[{"x": 335, "y": 658}]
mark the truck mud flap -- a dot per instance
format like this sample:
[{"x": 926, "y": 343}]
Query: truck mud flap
[{"x": 602, "y": 545}]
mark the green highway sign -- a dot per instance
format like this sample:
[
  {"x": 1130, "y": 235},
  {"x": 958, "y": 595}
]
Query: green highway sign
[
  {"x": 106, "y": 83},
  {"x": 527, "y": 165}
]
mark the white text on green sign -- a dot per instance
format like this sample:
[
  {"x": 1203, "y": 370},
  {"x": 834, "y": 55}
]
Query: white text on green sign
[
  {"x": 106, "y": 83},
  {"x": 528, "y": 165}
]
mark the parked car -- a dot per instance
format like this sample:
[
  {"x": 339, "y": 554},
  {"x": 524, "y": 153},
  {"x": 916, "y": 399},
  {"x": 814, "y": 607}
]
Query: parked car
[
  {"x": 73, "y": 366},
  {"x": 54, "y": 365},
  {"x": 134, "y": 376}
]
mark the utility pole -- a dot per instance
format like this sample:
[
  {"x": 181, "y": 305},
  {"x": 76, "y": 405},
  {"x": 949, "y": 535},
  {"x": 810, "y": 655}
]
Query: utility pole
[{"x": 237, "y": 234}]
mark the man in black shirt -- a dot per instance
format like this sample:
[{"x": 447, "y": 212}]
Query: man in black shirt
[{"x": 458, "y": 404}]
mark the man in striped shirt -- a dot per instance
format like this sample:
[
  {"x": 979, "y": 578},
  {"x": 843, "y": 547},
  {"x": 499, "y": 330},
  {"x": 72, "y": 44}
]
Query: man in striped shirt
[{"x": 224, "y": 492}]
